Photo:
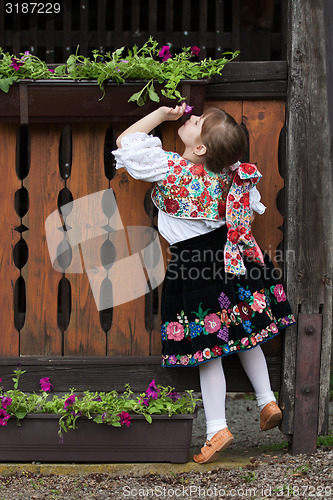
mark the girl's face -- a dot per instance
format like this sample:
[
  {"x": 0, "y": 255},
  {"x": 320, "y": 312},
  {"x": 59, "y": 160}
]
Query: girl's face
[{"x": 190, "y": 131}]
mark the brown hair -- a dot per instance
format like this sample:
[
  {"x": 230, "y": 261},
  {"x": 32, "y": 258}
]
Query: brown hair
[{"x": 224, "y": 138}]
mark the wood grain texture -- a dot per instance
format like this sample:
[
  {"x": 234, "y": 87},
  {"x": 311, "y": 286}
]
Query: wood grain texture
[
  {"x": 9, "y": 340},
  {"x": 111, "y": 373},
  {"x": 85, "y": 336},
  {"x": 128, "y": 335},
  {"x": 308, "y": 233},
  {"x": 264, "y": 121},
  {"x": 40, "y": 334}
]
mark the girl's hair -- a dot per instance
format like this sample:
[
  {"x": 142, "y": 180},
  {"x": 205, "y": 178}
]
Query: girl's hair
[{"x": 224, "y": 138}]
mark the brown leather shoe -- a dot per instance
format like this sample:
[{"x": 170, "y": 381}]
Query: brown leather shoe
[
  {"x": 209, "y": 453},
  {"x": 270, "y": 416}
]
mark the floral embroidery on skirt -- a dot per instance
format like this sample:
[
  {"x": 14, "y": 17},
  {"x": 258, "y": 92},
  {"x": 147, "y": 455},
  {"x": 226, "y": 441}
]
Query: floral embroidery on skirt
[{"x": 208, "y": 314}]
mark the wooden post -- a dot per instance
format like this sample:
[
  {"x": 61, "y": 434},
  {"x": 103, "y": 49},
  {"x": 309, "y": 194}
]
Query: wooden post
[{"x": 308, "y": 222}]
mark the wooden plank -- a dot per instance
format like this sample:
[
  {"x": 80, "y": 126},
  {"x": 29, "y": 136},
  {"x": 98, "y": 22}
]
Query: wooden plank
[
  {"x": 308, "y": 194},
  {"x": 219, "y": 27},
  {"x": 101, "y": 20},
  {"x": 128, "y": 335},
  {"x": 253, "y": 71},
  {"x": 264, "y": 121},
  {"x": 275, "y": 89},
  {"x": 236, "y": 26},
  {"x": 84, "y": 15},
  {"x": 111, "y": 373},
  {"x": 9, "y": 220},
  {"x": 328, "y": 21},
  {"x": 171, "y": 142},
  {"x": 49, "y": 46},
  {"x": 84, "y": 335},
  {"x": 66, "y": 41},
  {"x": 307, "y": 384},
  {"x": 40, "y": 334},
  {"x": 203, "y": 28}
]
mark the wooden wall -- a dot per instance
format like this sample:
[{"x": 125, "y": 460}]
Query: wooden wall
[
  {"x": 49, "y": 314},
  {"x": 49, "y": 321}
]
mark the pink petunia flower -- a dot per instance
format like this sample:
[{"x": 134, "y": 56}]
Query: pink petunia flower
[
  {"x": 188, "y": 109},
  {"x": 3, "y": 418},
  {"x": 195, "y": 50},
  {"x": 69, "y": 401},
  {"x": 6, "y": 402},
  {"x": 152, "y": 391},
  {"x": 26, "y": 55},
  {"x": 173, "y": 396},
  {"x": 164, "y": 53},
  {"x": 125, "y": 418},
  {"x": 45, "y": 384},
  {"x": 16, "y": 64},
  {"x": 51, "y": 70}
]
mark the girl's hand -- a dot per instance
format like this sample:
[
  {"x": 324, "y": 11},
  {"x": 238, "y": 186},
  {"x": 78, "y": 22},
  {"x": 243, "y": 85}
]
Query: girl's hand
[{"x": 172, "y": 114}]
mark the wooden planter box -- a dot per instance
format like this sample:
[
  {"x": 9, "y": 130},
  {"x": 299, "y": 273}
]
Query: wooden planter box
[
  {"x": 166, "y": 439},
  {"x": 61, "y": 100}
]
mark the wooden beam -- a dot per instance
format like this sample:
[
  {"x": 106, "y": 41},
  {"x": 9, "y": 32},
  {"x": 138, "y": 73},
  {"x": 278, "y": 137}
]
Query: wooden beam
[
  {"x": 112, "y": 373},
  {"x": 308, "y": 221}
]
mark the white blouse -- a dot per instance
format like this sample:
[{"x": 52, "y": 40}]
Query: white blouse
[{"x": 144, "y": 159}]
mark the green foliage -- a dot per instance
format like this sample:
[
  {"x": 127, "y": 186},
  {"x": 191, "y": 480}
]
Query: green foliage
[
  {"x": 102, "y": 407},
  {"x": 137, "y": 64}
]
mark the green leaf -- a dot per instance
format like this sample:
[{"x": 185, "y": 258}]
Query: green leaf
[
  {"x": 152, "y": 94},
  {"x": 5, "y": 83},
  {"x": 98, "y": 419},
  {"x": 148, "y": 418},
  {"x": 137, "y": 97},
  {"x": 20, "y": 414}
]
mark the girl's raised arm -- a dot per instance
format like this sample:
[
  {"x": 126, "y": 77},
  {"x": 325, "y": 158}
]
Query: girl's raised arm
[{"x": 155, "y": 118}]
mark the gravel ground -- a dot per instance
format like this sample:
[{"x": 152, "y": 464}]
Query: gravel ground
[{"x": 269, "y": 474}]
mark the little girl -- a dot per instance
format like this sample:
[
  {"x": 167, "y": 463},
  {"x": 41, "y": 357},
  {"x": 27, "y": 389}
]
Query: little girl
[{"x": 219, "y": 295}]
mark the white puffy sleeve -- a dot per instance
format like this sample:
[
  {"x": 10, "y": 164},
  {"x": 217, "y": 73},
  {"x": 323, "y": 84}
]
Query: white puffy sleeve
[
  {"x": 142, "y": 156},
  {"x": 255, "y": 203}
]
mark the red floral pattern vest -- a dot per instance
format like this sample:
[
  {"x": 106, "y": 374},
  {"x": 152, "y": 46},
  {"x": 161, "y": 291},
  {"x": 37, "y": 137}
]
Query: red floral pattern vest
[{"x": 190, "y": 191}]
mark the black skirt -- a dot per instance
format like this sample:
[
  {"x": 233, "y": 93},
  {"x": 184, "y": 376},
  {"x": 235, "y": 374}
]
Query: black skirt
[{"x": 207, "y": 313}]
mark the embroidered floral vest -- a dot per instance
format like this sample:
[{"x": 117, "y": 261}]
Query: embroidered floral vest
[{"x": 192, "y": 192}]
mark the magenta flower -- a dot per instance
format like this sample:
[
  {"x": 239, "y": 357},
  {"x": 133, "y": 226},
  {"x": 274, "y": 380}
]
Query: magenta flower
[
  {"x": 195, "y": 50},
  {"x": 3, "y": 417},
  {"x": 174, "y": 396},
  {"x": 51, "y": 70},
  {"x": 26, "y": 55},
  {"x": 152, "y": 391},
  {"x": 6, "y": 402},
  {"x": 16, "y": 64},
  {"x": 97, "y": 399},
  {"x": 69, "y": 401},
  {"x": 125, "y": 418},
  {"x": 144, "y": 401},
  {"x": 76, "y": 414},
  {"x": 188, "y": 109},
  {"x": 164, "y": 53},
  {"x": 45, "y": 384}
]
